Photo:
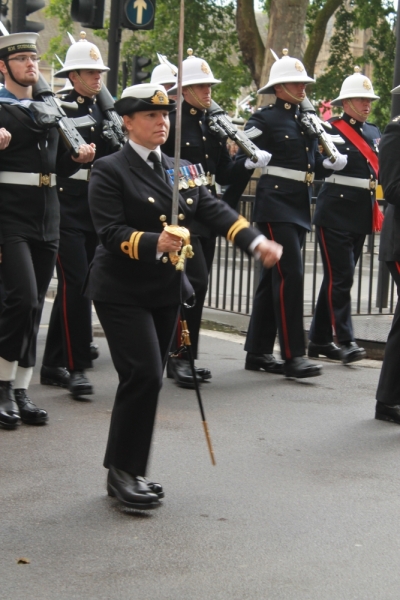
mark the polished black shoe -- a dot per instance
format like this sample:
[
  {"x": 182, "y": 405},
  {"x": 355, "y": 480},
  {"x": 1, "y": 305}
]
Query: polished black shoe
[
  {"x": 94, "y": 351},
  {"x": 30, "y": 413},
  {"x": 9, "y": 412},
  {"x": 155, "y": 488},
  {"x": 300, "y": 368},
  {"x": 58, "y": 376},
  {"x": 384, "y": 412},
  {"x": 351, "y": 352},
  {"x": 265, "y": 362},
  {"x": 329, "y": 350},
  {"x": 131, "y": 491},
  {"x": 79, "y": 385},
  {"x": 182, "y": 373}
]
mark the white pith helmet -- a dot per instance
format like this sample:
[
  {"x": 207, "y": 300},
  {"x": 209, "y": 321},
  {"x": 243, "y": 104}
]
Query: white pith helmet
[
  {"x": 164, "y": 73},
  {"x": 285, "y": 70},
  {"x": 355, "y": 86},
  {"x": 196, "y": 71},
  {"x": 82, "y": 55}
]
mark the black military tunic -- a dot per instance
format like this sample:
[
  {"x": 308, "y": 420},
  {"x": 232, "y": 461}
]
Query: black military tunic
[
  {"x": 70, "y": 327},
  {"x": 343, "y": 217},
  {"x": 282, "y": 213},
  {"x": 388, "y": 390},
  {"x": 199, "y": 145},
  {"x": 136, "y": 295},
  {"x": 29, "y": 227}
]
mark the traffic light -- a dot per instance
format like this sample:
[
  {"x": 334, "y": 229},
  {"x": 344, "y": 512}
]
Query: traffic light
[
  {"x": 20, "y": 10},
  {"x": 138, "y": 14},
  {"x": 89, "y": 13},
  {"x": 138, "y": 62}
]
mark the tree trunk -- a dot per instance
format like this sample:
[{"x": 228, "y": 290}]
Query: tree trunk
[
  {"x": 318, "y": 33},
  {"x": 250, "y": 40},
  {"x": 285, "y": 30}
]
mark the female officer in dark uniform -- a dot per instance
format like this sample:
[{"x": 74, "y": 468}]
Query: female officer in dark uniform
[{"x": 136, "y": 289}]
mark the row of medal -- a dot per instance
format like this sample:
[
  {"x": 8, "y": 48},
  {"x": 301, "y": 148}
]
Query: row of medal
[{"x": 191, "y": 176}]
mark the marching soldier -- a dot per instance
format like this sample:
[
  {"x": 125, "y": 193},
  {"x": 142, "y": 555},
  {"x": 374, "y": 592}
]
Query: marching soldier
[
  {"x": 388, "y": 392},
  {"x": 69, "y": 349},
  {"x": 343, "y": 217},
  {"x": 31, "y": 156},
  {"x": 135, "y": 288},
  {"x": 201, "y": 147},
  {"x": 282, "y": 213}
]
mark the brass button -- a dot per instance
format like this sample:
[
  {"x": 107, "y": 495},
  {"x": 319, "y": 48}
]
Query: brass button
[
  {"x": 371, "y": 176},
  {"x": 163, "y": 218},
  {"x": 164, "y": 259},
  {"x": 309, "y": 166},
  {"x": 276, "y": 187},
  {"x": 90, "y": 110},
  {"x": 302, "y": 133},
  {"x": 206, "y": 155},
  {"x": 347, "y": 148},
  {"x": 307, "y": 148},
  {"x": 62, "y": 189},
  {"x": 181, "y": 216},
  {"x": 341, "y": 195},
  {"x": 187, "y": 144},
  {"x": 295, "y": 116},
  {"x": 92, "y": 129},
  {"x": 204, "y": 138},
  {"x": 189, "y": 201},
  {"x": 151, "y": 199},
  {"x": 200, "y": 123},
  {"x": 287, "y": 137}
]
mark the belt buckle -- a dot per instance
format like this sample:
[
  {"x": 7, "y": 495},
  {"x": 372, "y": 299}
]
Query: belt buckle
[
  {"x": 309, "y": 178},
  {"x": 44, "y": 179},
  {"x": 372, "y": 185}
]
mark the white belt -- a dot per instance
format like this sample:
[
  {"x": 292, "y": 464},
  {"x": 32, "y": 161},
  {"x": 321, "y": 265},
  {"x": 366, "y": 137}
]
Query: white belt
[
  {"x": 28, "y": 178},
  {"x": 365, "y": 184},
  {"x": 82, "y": 174},
  {"x": 303, "y": 176}
]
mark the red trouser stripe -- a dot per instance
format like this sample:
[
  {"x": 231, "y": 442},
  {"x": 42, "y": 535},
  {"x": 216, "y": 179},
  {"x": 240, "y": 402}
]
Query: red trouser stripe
[
  {"x": 330, "y": 285},
  {"x": 397, "y": 266},
  {"x": 288, "y": 354},
  {"x": 65, "y": 319}
]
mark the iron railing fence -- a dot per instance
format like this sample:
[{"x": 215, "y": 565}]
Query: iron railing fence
[{"x": 234, "y": 275}]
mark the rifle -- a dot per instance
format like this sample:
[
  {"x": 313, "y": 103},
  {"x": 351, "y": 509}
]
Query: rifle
[
  {"x": 219, "y": 123},
  {"x": 314, "y": 128},
  {"x": 112, "y": 125},
  {"x": 67, "y": 127}
]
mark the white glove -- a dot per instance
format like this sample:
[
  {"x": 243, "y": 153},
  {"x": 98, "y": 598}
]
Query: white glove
[
  {"x": 263, "y": 159},
  {"x": 338, "y": 165}
]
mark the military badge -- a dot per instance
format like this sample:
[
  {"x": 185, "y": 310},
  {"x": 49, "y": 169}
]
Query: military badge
[
  {"x": 93, "y": 54},
  {"x": 160, "y": 98},
  {"x": 298, "y": 66},
  {"x": 205, "y": 68},
  {"x": 366, "y": 84}
]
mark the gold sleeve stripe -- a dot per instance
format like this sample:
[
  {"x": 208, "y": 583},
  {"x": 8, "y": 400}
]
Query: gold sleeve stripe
[
  {"x": 238, "y": 225},
  {"x": 131, "y": 247}
]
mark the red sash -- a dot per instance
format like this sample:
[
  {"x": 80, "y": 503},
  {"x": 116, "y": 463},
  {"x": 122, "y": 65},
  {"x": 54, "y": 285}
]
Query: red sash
[{"x": 372, "y": 159}]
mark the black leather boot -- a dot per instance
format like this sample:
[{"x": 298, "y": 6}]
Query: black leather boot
[
  {"x": 30, "y": 413},
  {"x": 9, "y": 413}
]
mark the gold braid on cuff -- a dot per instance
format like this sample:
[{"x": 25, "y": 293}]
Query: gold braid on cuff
[
  {"x": 132, "y": 247},
  {"x": 238, "y": 225}
]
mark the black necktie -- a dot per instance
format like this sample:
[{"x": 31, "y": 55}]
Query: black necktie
[{"x": 155, "y": 159}]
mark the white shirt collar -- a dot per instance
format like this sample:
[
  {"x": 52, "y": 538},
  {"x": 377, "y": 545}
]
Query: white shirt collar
[{"x": 144, "y": 152}]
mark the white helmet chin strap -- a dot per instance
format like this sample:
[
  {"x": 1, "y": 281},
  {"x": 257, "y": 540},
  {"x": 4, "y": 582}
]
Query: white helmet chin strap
[
  {"x": 92, "y": 91},
  {"x": 297, "y": 100},
  {"x": 195, "y": 96}
]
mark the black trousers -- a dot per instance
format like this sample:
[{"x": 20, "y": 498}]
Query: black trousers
[
  {"x": 139, "y": 339},
  {"x": 26, "y": 270},
  {"x": 388, "y": 390},
  {"x": 340, "y": 252},
  {"x": 278, "y": 301},
  {"x": 197, "y": 270},
  {"x": 70, "y": 328}
]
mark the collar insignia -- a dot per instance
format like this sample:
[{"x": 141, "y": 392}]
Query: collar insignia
[
  {"x": 193, "y": 111},
  {"x": 80, "y": 100},
  {"x": 353, "y": 121},
  {"x": 287, "y": 106}
]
